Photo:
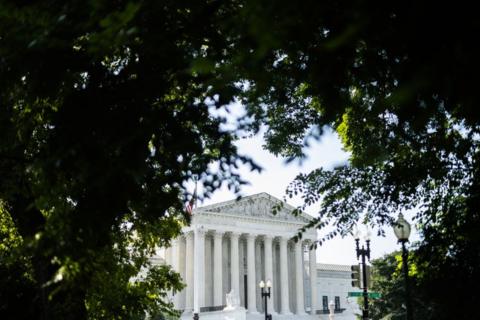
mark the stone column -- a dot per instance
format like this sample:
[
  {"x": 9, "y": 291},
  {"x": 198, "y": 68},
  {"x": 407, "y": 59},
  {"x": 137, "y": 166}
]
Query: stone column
[
  {"x": 259, "y": 273},
  {"x": 173, "y": 253},
  {"x": 284, "y": 276},
  {"x": 234, "y": 263},
  {"x": 199, "y": 274},
  {"x": 181, "y": 266},
  {"x": 168, "y": 261},
  {"x": 174, "y": 263},
  {"x": 217, "y": 269},
  {"x": 299, "y": 277},
  {"x": 313, "y": 280},
  {"x": 252, "y": 297},
  {"x": 269, "y": 268},
  {"x": 168, "y": 255},
  {"x": 189, "y": 272}
]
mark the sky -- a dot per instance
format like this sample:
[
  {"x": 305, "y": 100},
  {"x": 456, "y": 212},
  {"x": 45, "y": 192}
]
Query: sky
[{"x": 276, "y": 176}]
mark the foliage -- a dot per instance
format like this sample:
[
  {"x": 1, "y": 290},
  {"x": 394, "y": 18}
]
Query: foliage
[
  {"x": 109, "y": 108},
  {"x": 16, "y": 281},
  {"x": 394, "y": 80},
  {"x": 104, "y": 118},
  {"x": 389, "y": 281}
]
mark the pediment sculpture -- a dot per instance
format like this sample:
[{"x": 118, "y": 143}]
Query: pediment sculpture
[{"x": 260, "y": 206}]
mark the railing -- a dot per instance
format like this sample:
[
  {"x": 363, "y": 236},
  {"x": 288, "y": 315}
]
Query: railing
[
  {"x": 211, "y": 309},
  {"x": 326, "y": 311}
]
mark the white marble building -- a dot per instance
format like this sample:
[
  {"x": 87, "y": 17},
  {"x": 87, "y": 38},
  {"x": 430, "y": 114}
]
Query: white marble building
[
  {"x": 234, "y": 245},
  {"x": 333, "y": 284}
]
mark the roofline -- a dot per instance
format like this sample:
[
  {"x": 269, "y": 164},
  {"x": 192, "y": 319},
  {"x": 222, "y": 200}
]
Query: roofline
[
  {"x": 253, "y": 196},
  {"x": 333, "y": 267}
]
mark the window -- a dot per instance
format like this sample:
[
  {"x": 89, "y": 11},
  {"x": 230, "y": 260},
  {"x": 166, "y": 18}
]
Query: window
[
  {"x": 337, "y": 303},
  {"x": 325, "y": 303}
]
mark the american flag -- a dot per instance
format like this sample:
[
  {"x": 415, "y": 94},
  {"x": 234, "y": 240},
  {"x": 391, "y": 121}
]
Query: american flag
[
  {"x": 189, "y": 207},
  {"x": 191, "y": 203}
]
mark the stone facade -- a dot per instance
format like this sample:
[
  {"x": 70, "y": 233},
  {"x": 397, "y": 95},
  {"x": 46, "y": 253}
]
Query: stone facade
[
  {"x": 232, "y": 246},
  {"x": 333, "y": 284}
]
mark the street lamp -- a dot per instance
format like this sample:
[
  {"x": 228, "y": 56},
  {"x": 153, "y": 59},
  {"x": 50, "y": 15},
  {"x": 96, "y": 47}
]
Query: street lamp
[
  {"x": 402, "y": 232},
  {"x": 265, "y": 296},
  {"x": 363, "y": 252}
]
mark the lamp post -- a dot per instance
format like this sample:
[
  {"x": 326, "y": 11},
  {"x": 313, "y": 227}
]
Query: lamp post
[
  {"x": 363, "y": 252},
  {"x": 402, "y": 232},
  {"x": 265, "y": 296}
]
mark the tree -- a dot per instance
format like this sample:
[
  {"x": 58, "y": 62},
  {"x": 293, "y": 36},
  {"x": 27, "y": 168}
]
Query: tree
[
  {"x": 395, "y": 81},
  {"x": 108, "y": 109},
  {"x": 389, "y": 281},
  {"x": 103, "y": 120}
]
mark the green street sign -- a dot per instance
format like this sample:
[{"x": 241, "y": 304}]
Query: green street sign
[
  {"x": 355, "y": 294},
  {"x": 373, "y": 295}
]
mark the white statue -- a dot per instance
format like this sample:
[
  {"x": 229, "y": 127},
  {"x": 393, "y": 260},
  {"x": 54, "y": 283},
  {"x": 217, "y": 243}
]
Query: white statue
[
  {"x": 233, "y": 301},
  {"x": 331, "y": 308}
]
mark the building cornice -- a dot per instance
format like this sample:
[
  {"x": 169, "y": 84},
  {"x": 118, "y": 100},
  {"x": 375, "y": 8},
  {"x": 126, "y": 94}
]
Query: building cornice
[{"x": 249, "y": 218}]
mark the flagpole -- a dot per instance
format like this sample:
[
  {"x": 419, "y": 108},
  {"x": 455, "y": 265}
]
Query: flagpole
[{"x": 195, "y": 194}]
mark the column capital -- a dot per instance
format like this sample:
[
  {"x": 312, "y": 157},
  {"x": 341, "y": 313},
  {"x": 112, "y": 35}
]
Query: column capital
[
  {"x": 200, "y": 230},
  {"x": 235, "y": 234},
  {"x": 310, "y": 243},
  {"x": 189, "y": 234},
  {"x": 252, "y": 236},
  {"x": 218, "y": 233},
  {"x": 299, "y": 244},
  {"x": 268, "y": 236},
  {"x": 218, "y": 236},
  {"x": 284, "y": 239}
]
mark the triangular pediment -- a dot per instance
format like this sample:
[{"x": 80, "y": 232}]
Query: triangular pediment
[{"x": 259, "y": 205}]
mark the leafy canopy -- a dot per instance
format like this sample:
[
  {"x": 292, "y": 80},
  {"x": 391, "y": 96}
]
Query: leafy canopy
[
  {"x": 104, "y": 118},
  {"x": 105, "y": 115}
]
